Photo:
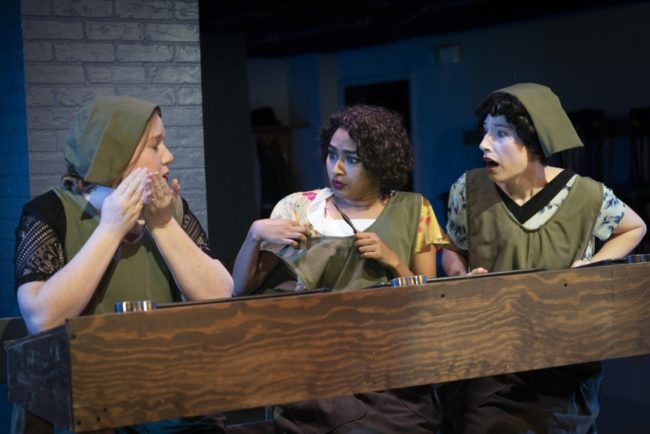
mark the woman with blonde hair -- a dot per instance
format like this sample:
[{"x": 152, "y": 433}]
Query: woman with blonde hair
[{"x": 115, "y": 230}]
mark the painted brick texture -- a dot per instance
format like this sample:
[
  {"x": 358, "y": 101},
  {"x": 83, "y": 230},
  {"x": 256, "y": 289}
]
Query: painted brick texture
[{"x": 77, "y": 50}]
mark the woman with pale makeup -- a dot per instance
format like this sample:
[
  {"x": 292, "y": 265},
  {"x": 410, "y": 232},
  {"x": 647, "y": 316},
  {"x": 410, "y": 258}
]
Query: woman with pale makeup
[
  {"x": 515, "y": 213},
  {"x": 359, "y": 231},
  {"x": 115, "y": 230}
]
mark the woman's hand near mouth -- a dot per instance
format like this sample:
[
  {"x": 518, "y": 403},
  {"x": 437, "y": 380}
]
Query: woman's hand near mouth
[{"x": 159, "y": 200}]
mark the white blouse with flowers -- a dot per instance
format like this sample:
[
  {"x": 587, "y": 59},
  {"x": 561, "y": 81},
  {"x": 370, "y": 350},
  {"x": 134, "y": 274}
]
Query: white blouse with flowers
[{"x": 308, "y": 209}]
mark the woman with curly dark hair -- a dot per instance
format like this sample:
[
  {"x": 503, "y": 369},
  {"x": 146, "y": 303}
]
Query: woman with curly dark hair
[
  {"x": 358, "y": 232},
  {"x": 384, "y": 152},
  {"x": 386, "y": 233}
]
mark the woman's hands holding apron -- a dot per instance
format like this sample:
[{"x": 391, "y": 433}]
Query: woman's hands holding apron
[
  {"x": 279, "y": 231},
  {"x": 371, "y": 246}
]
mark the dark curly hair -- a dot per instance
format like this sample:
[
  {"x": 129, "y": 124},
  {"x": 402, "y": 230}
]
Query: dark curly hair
[
  {"x": 382, "y": 142},
  {"x": 500, "y": 103}
]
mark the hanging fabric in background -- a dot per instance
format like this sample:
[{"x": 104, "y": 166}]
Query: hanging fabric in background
[
  {"x": 275, "y": 175},
  {"x": 640, "y": 141},
  {"x": 273, "y": 144},
  {"x": 591, "y": 126},
  {"x": 640, "y": 148},
  {"x": 617, "y": 153}
]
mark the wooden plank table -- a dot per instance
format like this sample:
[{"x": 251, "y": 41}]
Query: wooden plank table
[{"x": 104, "y": 371}]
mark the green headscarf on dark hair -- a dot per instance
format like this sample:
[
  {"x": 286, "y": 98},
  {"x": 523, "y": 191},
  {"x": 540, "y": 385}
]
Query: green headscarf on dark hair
[
  {"x": 105, "y": 135},
  {"x": 554, "y": 128}
]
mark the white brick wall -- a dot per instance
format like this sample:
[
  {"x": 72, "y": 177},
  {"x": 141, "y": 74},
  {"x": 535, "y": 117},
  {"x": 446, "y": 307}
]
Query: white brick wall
[{"x": 75, "y": 50}]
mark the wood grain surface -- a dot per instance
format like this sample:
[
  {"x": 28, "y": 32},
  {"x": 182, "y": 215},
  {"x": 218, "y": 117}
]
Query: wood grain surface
[{"x": 199, "y": 358}]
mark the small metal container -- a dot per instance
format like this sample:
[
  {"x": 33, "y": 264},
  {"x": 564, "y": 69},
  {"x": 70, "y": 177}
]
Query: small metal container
[
  {"x": 642, "y": 257},
  {"x": 418, "y": 279},
  {"x": 135, "y": 306}
]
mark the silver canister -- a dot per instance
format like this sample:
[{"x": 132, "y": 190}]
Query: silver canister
[
  {"x": 418, "y": 279},
  {"x": 135, "y": 306}
]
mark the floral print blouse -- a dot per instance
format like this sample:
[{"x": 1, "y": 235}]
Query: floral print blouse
[{"x": 308, "y": 209}]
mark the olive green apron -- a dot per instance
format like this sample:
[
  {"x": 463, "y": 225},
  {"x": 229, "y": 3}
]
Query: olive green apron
[
  {"x": 556, "y": 400},
  {"x": 136, "y": 272},
  {"x": 335, "y": 263},
  {"x": 498, "y": 242}
]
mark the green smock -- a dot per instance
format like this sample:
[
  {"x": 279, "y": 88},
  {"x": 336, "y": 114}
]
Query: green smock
[
  {"x": 335, "y": 263},
  {"x": 555, "y": 400},
  {"x": 137, "y": 271}
]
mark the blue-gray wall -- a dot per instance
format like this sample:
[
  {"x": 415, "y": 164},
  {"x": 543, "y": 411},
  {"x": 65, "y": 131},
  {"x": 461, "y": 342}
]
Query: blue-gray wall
[
  {"x": 14, "y": 170},
  {"x": 597, "y": 59},
  {"x": 592, "y": 60}
]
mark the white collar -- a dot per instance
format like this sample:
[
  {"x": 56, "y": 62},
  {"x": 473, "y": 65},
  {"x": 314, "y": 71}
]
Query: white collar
[
  {"x": 327, "y": 225},
  {"x": 97, "y": 195}
]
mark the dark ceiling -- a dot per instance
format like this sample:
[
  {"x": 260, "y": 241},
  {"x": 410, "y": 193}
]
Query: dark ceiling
[{"x": 281, "y": 28}]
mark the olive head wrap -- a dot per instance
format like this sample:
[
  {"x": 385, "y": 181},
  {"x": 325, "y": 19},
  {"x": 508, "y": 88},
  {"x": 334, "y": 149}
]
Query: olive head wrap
[
  {"x": 554, "y": 129},
  {"x": 104, "y": 136}
]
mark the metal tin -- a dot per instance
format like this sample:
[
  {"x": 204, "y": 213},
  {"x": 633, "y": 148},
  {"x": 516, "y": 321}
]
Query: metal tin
[
  {"x": 417, "y": 279},
  {"x": 135, "y": 306},
  {"x": 642, "y": 257}
]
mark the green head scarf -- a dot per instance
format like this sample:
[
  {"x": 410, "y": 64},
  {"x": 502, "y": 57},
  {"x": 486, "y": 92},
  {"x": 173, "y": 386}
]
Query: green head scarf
[
  {"x": 105, "y": 135},
  {"x": 554, "y": 129}
]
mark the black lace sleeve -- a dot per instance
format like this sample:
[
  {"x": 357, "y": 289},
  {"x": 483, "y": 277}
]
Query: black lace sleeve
[
  {"x": 39, "y": 247},
  {"x": 193, "y": 229}
]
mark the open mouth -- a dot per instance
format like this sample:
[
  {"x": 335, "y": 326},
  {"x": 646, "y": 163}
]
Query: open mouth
[{"x": 490, "y": 164}]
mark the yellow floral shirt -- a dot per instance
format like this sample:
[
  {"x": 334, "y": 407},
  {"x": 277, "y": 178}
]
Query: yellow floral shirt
[{"x": 305, "y": 207}]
